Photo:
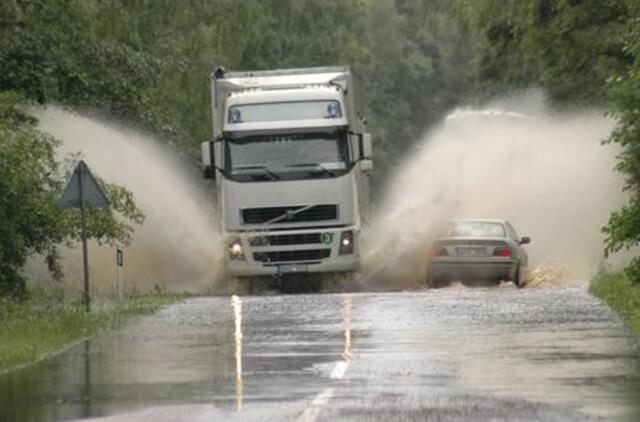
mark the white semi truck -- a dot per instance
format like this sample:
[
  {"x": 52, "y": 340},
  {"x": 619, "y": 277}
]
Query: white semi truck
[{"x": 292, "y": 164}]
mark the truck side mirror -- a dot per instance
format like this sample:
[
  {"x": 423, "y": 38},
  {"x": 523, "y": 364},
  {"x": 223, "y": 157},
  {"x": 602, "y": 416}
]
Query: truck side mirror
[
  {"x": 366, "y": 148},
  {"x": 208, "y": 160},
  {"x": 366, "y": 165}
]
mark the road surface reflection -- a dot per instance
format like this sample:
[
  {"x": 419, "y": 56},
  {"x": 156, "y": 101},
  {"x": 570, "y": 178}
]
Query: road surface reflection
[
  {"x": 236, "y": 304},
  {"x": 346, "y": 317}
]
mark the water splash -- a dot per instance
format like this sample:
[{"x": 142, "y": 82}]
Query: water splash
[
  {"x": 547, "y": 174},
  {"x": 178, "y": 247}
]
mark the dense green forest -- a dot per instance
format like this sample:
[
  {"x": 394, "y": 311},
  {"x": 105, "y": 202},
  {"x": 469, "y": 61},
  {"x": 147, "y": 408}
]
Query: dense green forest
[{"x": 146, "y": 62}]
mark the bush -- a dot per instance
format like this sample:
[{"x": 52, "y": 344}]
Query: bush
[{"x": 617, "y": 290}]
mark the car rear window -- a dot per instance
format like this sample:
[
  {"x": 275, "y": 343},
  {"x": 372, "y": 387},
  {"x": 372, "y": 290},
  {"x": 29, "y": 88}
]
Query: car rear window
[{"x": 476, "y": 229}]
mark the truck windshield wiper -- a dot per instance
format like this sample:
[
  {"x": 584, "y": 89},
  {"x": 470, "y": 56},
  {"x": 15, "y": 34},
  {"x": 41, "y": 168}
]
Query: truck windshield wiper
[
  {"x": 265, "y": 169},
  {"x": 289, "y": 214},
  {"x": 316, "y": 165}
]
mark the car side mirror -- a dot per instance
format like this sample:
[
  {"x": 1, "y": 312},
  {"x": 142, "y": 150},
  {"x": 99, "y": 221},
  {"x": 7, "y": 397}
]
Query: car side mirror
[
  {"x": 366, "y": 165},
  {"x": 525, "y": 240}
]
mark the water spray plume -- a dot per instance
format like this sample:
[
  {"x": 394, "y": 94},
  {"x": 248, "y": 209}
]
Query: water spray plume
[
  {"x": 178, "y": 246},
  {"x": 549, "y": 175}
]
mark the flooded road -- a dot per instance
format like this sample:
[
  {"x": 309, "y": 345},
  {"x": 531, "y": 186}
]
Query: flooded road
[{"x": 545, "y": 353}]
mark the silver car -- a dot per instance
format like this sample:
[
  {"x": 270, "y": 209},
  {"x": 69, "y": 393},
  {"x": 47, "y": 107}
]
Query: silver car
[{"x": 478, "y": 249}]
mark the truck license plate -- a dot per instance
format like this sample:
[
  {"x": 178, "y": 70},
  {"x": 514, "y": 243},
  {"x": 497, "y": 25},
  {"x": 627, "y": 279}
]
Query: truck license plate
[{"x": 293, "y": 268}]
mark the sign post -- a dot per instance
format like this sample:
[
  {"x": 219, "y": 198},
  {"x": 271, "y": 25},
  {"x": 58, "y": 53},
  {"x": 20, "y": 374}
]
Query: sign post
[
  {"x": 84, "y": 191},
  {"x": 120, "y": 268}
]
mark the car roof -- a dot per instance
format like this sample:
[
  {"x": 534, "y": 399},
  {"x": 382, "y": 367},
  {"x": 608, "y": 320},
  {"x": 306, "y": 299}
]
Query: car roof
[{"x": 479, "y": 220}]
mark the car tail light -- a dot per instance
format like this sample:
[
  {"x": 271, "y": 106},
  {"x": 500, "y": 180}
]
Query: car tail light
[
  {"x": 502, "y": 252},
  {"x": 438, "y": 251}
]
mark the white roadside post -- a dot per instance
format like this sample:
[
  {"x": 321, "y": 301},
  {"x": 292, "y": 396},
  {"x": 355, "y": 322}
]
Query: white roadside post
[
  {"x": 83, "y": 191},
  {"x": 120, "y": 269}
]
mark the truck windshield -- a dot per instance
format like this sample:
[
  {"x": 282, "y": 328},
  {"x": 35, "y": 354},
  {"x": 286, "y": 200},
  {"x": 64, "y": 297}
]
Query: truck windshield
[{"x": 290, "y": 156}]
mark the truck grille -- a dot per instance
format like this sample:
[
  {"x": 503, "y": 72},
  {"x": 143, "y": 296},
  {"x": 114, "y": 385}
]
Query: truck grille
[
  {"x": 285, "y": 239},
  {"x": 315, "y": 213},
  {"x": 292, "y": 256}
]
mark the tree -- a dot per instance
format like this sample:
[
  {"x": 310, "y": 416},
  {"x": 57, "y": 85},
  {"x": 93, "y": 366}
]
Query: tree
[
  {"x": 50, "y": 52},
  {"x": 568, "y": 48},
  {"x": 623, "y": 229}
]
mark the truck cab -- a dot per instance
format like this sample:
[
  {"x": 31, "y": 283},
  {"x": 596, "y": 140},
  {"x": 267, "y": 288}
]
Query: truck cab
[{"x": 292, "y": 165}]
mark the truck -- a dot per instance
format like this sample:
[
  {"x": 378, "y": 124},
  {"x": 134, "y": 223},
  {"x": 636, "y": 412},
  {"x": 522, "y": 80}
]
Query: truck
[{"x": 292, "y": 163}]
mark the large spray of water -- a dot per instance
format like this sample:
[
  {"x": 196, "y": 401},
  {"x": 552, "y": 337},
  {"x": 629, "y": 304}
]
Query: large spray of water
[
  {"x": 547, "y": 174},
  {"x": 178, "y": 247}
]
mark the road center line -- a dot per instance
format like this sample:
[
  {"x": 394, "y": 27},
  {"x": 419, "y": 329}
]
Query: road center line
[
  {"x": 339, "y": 370},
  {"x": 312, "y": 412},
  {"x": 323, "y": 398}
]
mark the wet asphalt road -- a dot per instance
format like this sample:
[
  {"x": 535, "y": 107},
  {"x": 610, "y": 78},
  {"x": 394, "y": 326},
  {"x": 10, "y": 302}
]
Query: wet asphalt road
[{"x": 545, "y": 353}]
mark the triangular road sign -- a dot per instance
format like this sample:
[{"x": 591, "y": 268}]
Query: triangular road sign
[{"x": 83, "y": 186}]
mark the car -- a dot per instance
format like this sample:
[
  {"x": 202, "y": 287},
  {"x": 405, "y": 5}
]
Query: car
[{"x": 478, "y": 250}]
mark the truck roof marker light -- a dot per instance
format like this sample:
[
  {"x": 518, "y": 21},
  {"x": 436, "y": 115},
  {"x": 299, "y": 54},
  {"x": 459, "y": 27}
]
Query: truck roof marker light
[
  {"x": 235, "y": 116},
  {"x": 333, "y": 110}
]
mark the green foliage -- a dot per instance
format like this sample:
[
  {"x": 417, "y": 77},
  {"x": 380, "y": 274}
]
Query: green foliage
[
  {"x": 568, "y": 48},
  {"x": 618, "y": 291},
  {"x": 49, "y": 52},
  {"x": 148, "y": 62},
  {"x": 47, "y": 321},
  {"x": 623, "y": 229},
  {"x": 31, "y": 182}
]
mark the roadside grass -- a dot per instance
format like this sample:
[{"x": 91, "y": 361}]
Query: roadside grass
[
  {"x": 616, "y": 290},
  {"x": 47, "y": 322}
]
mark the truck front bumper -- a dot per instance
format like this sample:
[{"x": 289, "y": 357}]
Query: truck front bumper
[{"x": 293, "y": 251}]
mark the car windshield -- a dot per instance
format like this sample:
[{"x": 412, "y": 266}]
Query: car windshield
[
  {"x": 476, "y": 229},
  {"x": 325, "y": 154}
]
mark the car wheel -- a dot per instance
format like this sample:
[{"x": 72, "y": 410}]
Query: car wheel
[
  {"x": 429, "y": 280},
  {"x": 519, "y": 278}
]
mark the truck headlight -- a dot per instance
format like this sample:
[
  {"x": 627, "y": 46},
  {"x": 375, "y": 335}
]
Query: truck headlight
[
  {"x": 236, "y": 251},
  {"x": 346, "y": 243}
]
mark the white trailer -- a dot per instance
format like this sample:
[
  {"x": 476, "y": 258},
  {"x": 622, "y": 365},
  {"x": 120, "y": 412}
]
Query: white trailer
[{"x": 292, "y": 164}]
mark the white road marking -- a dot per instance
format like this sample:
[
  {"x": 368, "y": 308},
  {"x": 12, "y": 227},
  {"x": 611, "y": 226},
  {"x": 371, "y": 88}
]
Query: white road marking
[
  {"x": 339, "y": 370},
  {"x": 312, "y": 412},
  {"x": 323, "y": 398}
]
